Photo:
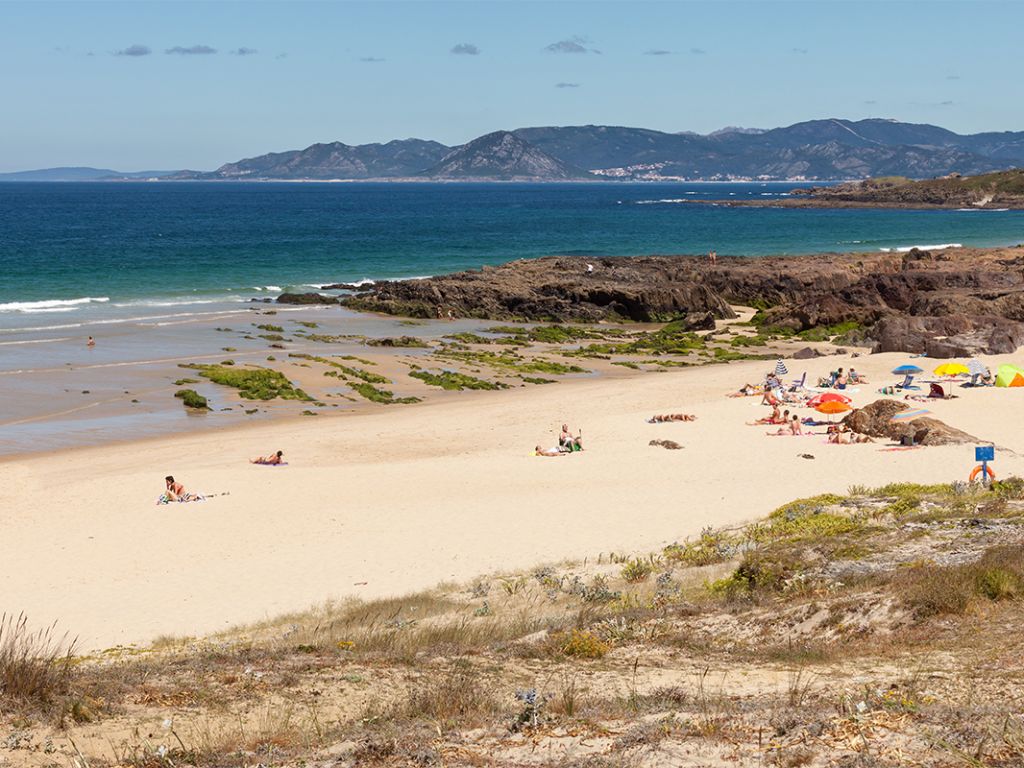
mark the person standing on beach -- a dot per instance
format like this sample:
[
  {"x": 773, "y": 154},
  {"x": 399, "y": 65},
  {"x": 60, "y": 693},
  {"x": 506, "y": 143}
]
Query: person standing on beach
[
  {"x": 712, "y": 257},
  {"x": 91, "y": 342}
]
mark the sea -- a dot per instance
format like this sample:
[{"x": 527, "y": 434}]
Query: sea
[{"x": 153, "y": 269}]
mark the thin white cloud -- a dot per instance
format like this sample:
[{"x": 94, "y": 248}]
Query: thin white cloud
[
  {"x": 371, "y": 60},
  {"x": 801, "y": 51},
  {"x": 465, "y": 49},
  {"x": 698, "y": 51},
  {"x": 190, "y": 50},
  {"x": 575, "y": 44},
  {"x": 657, "y": 52},
  {"x": 567, "y": 85},
  {"x": 243, "y": 51},
  {"x": 134, "y": 50}
]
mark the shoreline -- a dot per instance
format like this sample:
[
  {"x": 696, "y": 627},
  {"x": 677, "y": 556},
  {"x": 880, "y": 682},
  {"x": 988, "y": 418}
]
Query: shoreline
[{"x": 401, "y": 500}]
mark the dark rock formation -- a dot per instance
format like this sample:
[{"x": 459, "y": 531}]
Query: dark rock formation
[
  {"x": 646, "y": 289},
  {"x": 807, "y": 353},
  {"x": 954, "y": 303},
  {"x": 347, "y": 286},
  {"x": 306, "y": 298},
  {"x": 875, "y": 420}
]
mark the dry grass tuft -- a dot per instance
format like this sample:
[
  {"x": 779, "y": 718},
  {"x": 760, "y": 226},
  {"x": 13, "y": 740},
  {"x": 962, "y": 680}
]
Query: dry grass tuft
[
  {"x": 35, "y": 666},
  {"x": 932, "y": 590}
]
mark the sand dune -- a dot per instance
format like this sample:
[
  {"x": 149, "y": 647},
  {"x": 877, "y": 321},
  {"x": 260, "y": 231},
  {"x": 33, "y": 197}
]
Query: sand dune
[{"x": 402, "y": 498}]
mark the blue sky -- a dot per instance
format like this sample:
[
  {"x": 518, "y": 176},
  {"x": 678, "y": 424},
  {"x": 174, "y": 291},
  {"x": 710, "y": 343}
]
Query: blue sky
[{"x": 214, "y": 82}]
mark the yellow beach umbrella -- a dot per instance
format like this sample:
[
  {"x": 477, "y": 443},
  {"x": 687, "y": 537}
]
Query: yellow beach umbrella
[{"x": 952, "y": 369}]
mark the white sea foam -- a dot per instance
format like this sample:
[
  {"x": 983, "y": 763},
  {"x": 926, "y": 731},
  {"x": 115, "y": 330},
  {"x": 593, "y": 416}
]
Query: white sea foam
[
  {"x": 33, "y": 341},
  {"x": 907, "y": 248},
  {"x": 179, "y": 302},
  {"x": 993, "y": 210},
  {"x": 50, "y": 304}
]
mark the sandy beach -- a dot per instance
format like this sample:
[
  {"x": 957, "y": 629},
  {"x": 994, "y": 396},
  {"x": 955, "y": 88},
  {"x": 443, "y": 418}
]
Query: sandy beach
[{"x": 389, "y": 501}]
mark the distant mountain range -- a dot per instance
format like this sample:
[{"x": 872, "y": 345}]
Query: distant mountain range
[
  {"x": 816, "y": 150},
  {"x": 82, "y": 174}
]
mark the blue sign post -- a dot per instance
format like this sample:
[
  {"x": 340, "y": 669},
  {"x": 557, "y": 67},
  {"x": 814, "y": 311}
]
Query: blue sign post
[{"x": 984, "y": 454}]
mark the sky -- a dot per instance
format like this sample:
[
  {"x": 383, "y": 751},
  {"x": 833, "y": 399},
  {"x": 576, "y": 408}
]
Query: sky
[{"x": 161, "y": 86}]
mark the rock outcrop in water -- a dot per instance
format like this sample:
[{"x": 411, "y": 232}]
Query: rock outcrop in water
[
  {"x": 1001, "y": 190},
  {"x": 951, "y": 303}
]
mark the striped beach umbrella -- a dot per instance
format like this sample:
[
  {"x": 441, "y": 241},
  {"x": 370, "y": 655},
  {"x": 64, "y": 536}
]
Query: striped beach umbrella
[
  {"x": 976, "y": 367},
  {"x": 780, "y": 368},
  {"x": 910, "y": 415}
]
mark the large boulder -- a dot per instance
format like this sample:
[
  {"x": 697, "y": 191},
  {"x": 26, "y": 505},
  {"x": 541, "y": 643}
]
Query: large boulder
[{"x": 876, "y": 420}]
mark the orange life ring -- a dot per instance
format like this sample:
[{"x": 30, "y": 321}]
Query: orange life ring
[{"x": 977, "y": 471}]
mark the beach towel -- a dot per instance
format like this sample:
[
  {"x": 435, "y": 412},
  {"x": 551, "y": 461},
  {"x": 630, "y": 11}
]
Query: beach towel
[
  {"x": 165, "y": 499},
  {"x": 269, "y": 464}
]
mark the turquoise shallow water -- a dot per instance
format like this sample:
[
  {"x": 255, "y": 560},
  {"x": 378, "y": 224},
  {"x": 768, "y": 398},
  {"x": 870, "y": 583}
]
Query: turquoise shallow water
[{"x": 152, "y": 244}]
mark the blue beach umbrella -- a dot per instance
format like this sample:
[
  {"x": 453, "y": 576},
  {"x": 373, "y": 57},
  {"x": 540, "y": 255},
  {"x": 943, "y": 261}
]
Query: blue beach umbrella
[{"x": 904, "y": 369}]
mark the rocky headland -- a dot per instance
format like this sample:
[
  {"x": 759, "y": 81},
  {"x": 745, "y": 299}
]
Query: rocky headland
[
  {"x": 990, "y": 191},
  {"x": 944, "y": 303}
]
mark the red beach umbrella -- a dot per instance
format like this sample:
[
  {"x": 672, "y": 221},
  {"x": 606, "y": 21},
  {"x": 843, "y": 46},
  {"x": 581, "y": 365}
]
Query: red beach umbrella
[{"x": 828, "y": 397}]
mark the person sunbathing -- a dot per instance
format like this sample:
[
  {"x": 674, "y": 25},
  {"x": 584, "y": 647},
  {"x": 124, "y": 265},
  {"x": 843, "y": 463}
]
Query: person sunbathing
[
  {"x": 747, "y": 390},
  {"x": 538, "y": 451},
  {"x": 672, "y": 417},
  {"x": 569, "y": 442},
  {"x": 791, "y": 428},
  {"x": 273, "y": 459},
  {"x": 775, "y": 418},
  {"x": 174, "y": 490},
  {"x": 842, "y": 438}
]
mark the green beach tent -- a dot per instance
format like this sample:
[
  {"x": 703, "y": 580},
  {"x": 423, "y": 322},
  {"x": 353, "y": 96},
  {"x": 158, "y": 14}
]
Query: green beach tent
[{"x": 1009, "y": 376}]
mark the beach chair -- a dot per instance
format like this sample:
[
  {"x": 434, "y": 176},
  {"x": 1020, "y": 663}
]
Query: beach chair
[
  {"x": 798, "y": 384},
  {"x": 908, "y": 383}
]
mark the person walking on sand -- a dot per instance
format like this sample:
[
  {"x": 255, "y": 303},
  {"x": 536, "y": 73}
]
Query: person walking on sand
[{"x": 712, "y": 258}]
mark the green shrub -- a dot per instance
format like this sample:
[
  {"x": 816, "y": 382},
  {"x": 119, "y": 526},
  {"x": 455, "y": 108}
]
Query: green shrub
[
  {"x": 712, "y": 547},
  {"x": 809, "y": 526},
  {"x": 997, "y": 583},
  {"x": 636, "y": 571},
  {"x": 581, "y": 644},
  {"x": 272, "y": 328},
  {"x": 757, "y": 572}
]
